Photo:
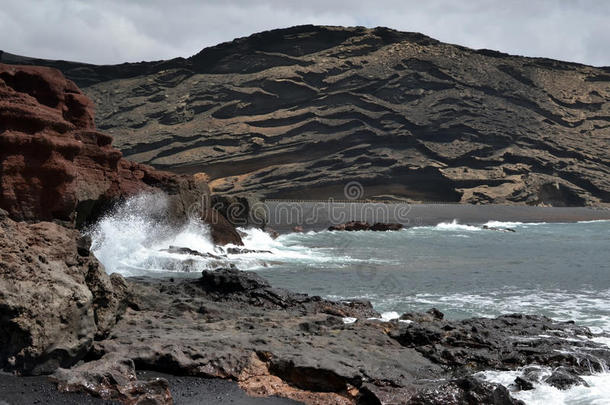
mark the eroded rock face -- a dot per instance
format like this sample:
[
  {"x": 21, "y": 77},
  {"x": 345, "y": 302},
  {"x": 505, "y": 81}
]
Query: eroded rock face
[
  {"x": 55, "y": 165},
  {"x": 298, "y": 112},
  {"x": 54, "y": 300}
]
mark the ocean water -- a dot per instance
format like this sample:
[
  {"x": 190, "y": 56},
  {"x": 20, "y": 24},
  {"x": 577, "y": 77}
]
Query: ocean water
[{"x": 561, "y": 270}]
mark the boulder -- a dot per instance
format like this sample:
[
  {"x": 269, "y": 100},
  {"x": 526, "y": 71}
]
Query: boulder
[
  {"x": 563, "y": 378},
  {"x": 54, "y": 300},
  {"x": 113, "y": 378},
  {"x": 222, "y": 231}
]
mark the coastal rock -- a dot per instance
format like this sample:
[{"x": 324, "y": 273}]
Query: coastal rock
[
  {"x": 467, "y": 390},
  {"x": 233, "y": 324},
  {"x": 296, "y": 113},
  {"x": 113, "y": 378},
  {"x": 506, "y": 342},
  {"x": 241, "y": 211},
  {"x": 56, "y": 166},
  {"x": 522, "y": 384},
  {"x": 499, "y": 229},
  {"x": 188, "y": 251},
  {"x": 54, "y": 300},
  {"x": 365, "y": 226},
  {"x": 564, "y": 378},
  {"x": 222, "y": 231}
]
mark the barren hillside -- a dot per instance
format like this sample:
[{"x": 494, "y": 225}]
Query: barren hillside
[{"x": 299, "y": 112}]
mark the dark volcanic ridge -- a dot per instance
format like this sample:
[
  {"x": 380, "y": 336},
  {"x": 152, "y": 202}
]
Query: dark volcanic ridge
[{"x": 299, "y": 112}]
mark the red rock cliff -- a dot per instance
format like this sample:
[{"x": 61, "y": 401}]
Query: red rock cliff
[{"x": 54, "y": 164}]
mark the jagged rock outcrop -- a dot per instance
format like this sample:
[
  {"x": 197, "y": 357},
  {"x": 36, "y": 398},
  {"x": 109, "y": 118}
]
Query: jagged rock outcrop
[
  {"x": 54, "y": 164},
  {"x": 55, "y": 298},
  {"x": 233, "y": 324},
  {"x": 298, "y": 112}
]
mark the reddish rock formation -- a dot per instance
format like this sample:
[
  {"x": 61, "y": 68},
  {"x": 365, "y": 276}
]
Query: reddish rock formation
[{"x": 54, "y": 164}]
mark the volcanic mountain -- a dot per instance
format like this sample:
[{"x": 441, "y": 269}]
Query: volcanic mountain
[{"x": 300, "y": 112}]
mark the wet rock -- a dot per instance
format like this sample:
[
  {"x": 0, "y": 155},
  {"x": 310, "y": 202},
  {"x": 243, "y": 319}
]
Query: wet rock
[
  {"x": 83, "y": 245},
  {"x": 467, "y": 390},
  {"x": 272, "y": 232},
  {"x": 508, "y": 341},
  {"x": 231, "y": 281},
  {"x": 495, "y": 228},
  {"x": 522, "y": 384},
  {"x": 241, "y": 251},
  {"x": 564, "y": 378},
  {"x": 188, "y": 251},
  {"x": 430, "y": 315},
  {"x": 533, "y": 374},
  {"x": 380, "y": 226},
  {"x": 297, "y": 229},
  {"x": 222, "y": 231},
  {"x": 233, "y": 324}
]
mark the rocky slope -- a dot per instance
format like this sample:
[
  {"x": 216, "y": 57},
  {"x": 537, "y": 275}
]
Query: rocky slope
[{"x": 299, "y": 112}]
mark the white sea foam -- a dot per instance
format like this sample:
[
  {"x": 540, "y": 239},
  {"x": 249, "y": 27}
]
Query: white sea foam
[
  {"x": 455, "y": 226},
  {"x": 502, "y": 224},
  {"x": 588, "y": 308},
  {"x": 598, "y": 391},
  {"x": 452, "y": 226},
  {"x": 130, "y": 240},
  {"x": 387, "y": 316}
]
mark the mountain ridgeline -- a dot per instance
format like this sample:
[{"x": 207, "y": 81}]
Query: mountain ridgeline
[{"x": 299, "y": 112}]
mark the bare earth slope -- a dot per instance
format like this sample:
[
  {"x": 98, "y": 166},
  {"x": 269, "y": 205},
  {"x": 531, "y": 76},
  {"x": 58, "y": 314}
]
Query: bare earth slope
[{"x": 299, "y": 112}]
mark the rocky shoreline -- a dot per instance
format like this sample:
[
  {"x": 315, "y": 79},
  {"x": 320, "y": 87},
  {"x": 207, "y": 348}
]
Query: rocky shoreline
[
  {"x": 63, "y": 316},
  {"x": 98, "y": 334}
]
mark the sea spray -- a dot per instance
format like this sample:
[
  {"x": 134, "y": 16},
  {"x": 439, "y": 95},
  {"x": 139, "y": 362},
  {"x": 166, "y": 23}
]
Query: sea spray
[
  {"x": 130, "y": 239},
  {"x": 134, "y": 237}
]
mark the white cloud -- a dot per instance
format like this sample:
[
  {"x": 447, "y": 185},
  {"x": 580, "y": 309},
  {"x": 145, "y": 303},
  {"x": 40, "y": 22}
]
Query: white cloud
[{"x": 115, "y": 31}]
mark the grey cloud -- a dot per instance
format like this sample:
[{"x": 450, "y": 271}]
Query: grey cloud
[{"x": 115, "y": 31}]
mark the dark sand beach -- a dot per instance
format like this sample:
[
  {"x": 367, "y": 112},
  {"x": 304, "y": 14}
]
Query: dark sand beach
[{"x": 185, "y": 391}]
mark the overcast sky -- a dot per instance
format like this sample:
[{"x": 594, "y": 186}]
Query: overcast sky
[{"x": 114, "y": 31}]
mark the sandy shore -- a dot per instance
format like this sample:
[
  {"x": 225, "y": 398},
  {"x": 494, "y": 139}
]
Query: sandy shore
[
  {"x": 185, "y": 391},
  {"x": 316, "y": 216}
]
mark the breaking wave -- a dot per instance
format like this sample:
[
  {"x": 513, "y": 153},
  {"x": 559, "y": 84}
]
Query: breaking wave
[{"x": 135, "y": 237}]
